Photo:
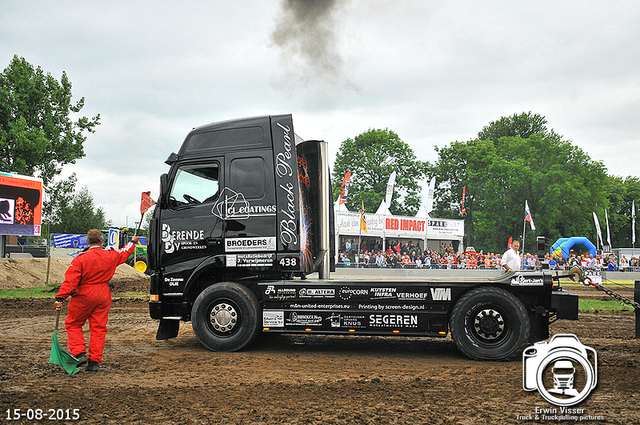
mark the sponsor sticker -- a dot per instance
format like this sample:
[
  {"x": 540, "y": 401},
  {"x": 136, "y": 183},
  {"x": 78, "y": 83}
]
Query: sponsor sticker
[
  {"x": 233, "y": 205},
  {"x": 274, "y": 293},
  {"x": 174, "y": 240},
  {"x": 393, "y": 320},
  {"x": 383, "y": 293},
  {"x": 273, "y": 318},
  {"x": 173, "y": 281},
  {"x": 304, "y": 319},
  {"x": 254, "y": 260},
  {"x": 441, "y": 294},
  {"x": 267, "y": 243},
  {"x": 317, "y": 293},
  {"x": 346, "y": 293},
  {"x": 520, "y": 280},
  {"x": 413, "y": 296}
]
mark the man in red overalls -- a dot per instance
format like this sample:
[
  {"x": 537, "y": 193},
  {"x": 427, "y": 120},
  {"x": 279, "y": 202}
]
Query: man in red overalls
[{"x": 89, "y": 274}]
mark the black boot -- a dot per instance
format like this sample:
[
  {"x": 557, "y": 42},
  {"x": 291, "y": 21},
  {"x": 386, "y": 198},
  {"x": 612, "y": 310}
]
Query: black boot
[
  {"x": 91, "y": 367},
  {"x": 82, "y": 358}
]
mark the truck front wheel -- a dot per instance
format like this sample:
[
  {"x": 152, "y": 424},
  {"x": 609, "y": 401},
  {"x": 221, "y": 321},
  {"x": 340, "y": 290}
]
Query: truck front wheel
[
  {"x": 224, "y": 317},
  {"x": 490, "y": 324}
]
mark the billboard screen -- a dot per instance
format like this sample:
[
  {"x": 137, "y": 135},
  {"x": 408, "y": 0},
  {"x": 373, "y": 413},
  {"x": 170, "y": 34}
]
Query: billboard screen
[{"x": 20, "y": 205}]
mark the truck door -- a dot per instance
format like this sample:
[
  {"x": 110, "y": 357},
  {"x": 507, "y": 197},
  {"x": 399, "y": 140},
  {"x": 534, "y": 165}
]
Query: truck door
[
  {"x": 248, "y": 207},
  {"x": 189, "y": 228}
]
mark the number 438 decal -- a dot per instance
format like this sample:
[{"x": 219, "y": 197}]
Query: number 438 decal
[{"x": 289, "y": 262}]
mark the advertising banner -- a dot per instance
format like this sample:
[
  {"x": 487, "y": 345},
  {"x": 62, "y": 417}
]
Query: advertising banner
[
  {"x": 70, "y": 241},
  {"x": 348, "y": 223},
  {"x": 20, "y": 205}
]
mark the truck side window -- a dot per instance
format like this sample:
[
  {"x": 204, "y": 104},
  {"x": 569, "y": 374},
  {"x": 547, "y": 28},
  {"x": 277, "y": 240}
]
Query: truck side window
[
  {"x": 194, "y": 185},
  {"x": 250, "y": 176}
]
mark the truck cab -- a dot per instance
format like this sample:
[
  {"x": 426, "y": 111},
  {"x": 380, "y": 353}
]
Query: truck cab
[{"x": 231, "y": 208}]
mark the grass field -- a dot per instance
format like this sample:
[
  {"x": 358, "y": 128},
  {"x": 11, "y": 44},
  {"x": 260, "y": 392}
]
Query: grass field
[{"x": 50, "y": 290}]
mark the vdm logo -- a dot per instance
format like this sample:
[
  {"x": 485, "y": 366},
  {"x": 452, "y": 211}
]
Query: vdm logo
[{"x": 564, "y": 370}]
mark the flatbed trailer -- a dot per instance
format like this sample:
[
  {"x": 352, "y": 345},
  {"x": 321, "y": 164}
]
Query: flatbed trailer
[{"x": 244, "y": 217}]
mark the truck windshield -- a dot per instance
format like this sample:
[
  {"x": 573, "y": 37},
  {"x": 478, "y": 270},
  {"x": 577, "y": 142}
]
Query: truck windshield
[{"x": 194, "y": 185}]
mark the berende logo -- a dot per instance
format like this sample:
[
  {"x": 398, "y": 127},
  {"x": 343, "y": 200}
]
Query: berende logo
[{"x": 564, "y": 370}]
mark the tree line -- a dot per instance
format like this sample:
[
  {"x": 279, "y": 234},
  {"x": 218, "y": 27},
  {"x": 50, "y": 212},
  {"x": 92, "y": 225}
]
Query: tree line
[{"x": 512, "y": 160}]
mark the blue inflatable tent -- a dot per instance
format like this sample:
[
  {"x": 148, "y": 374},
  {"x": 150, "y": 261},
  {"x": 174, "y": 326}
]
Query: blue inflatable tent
[{"x": 579, "y": 245}]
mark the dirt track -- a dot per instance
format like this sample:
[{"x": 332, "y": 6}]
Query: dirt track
[{"x": 294, "y": 379}]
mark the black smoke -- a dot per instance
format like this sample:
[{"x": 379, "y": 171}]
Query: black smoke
[{"x": 307, "y": 35}]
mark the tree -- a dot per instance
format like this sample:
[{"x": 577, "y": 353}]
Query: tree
[
  {"x": 372, "y": 157},
  {"x": 621, "y": 194},
  {"x": 37, "y": 135},
  {"x": 501, "y": 170},
  {"x": 523, "y": 125},
  {"x": 77, "y": 214}
]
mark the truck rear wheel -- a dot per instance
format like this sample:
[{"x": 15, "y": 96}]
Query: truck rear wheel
[
  {"x": 224, "y": 317},
  {"x": 490, "y": 324}
]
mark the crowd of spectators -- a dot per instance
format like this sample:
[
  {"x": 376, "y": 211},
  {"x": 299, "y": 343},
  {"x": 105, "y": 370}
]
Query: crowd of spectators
[{"x": 409, "y": 255}]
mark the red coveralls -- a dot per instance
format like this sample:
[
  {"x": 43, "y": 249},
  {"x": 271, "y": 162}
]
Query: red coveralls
[{"x": 89, "y": 274}]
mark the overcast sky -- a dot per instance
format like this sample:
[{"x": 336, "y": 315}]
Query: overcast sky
[{"x": 434, "y": 72}]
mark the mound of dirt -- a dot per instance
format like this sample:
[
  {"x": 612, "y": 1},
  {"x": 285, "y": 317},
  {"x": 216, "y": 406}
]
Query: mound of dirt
[{"x": 17, "y": 273}]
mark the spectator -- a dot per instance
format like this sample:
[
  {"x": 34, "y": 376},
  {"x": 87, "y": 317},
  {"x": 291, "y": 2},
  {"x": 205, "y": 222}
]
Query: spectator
[
  {"x": 633, "y": 264},
  {"x": 611, "y": 265},
  {"x": 347, "y": 246},
  {"x": 511, "y": 258},
  {"x": 624, "y": 263}
]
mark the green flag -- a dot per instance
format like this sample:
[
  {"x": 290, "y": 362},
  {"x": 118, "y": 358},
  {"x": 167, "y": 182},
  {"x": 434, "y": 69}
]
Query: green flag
[{"x": 59, "y": 356}]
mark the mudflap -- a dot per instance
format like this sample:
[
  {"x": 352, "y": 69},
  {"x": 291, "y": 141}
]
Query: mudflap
[
  {"x": 539, "y": 322},
  {"x": 168, "y": 329},
  {"x": 565, "y": 304}
]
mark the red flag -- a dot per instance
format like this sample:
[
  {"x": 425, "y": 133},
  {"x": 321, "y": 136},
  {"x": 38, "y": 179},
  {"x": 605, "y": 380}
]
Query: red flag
[
  {"x": 510, "y": 241},
  {"x": 464, "y": 189},
  {"x": 344, "y": 191},
  {"x": 146, "y": 202}
]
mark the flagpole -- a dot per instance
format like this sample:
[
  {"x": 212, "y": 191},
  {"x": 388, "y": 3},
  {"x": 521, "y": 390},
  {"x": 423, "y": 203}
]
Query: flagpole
[
  {"x": 633, "y": 223},
  {"x": 359, "y": 242}
]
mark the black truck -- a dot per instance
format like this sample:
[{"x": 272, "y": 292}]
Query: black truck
[{"x": 245, "y": 214}]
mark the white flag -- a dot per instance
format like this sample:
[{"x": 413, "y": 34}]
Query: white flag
[
  {"x": 527, "y": 215},
  {"x": 633, "y": 222},
  {"x": 595, "y": 219},
  {"x": 606, "y": 216},
  {"x": 390, "y": 184},
  {"x": 432, "y": 188}
]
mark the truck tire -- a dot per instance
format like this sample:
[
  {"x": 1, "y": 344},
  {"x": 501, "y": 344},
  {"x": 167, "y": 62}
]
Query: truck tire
[
  {"x": 224, "y": 317},
  {"x": 490, "y": 324}
]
